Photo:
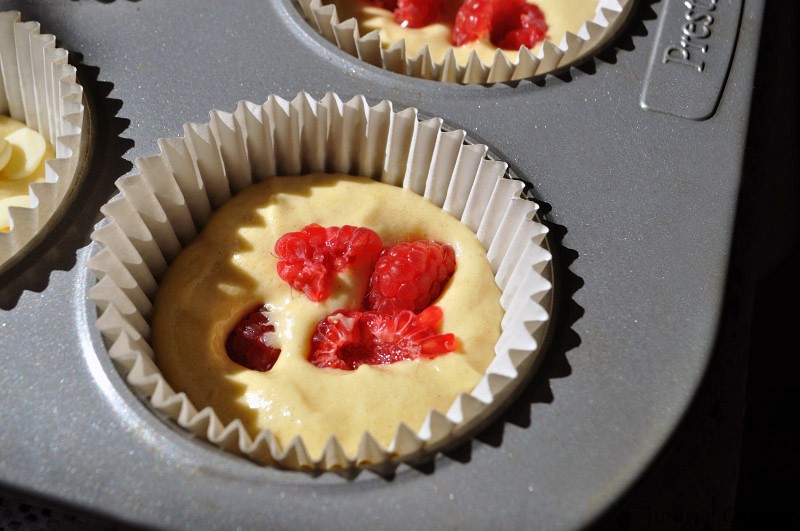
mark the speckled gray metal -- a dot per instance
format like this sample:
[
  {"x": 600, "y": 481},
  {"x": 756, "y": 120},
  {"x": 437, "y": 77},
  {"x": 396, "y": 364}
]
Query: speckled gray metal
[{"x": 641, "y": 206}]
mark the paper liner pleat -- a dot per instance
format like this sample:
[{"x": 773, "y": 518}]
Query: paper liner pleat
[
  {"x": 469, "y": 161},
  {"x": 465, "y": 409},
  {"x": 592, "y": 35},
  {"x": 121, "y": 261},
  {"x": 169, "y": 198},
  {"x": 121, "y": 349},
  {"x": 108, "y": 290},
  {"x": 435, "y": 428},
  {"x": 176, "y": 158},
  {"x": 39, "y": 88},
  {"x": 521, "y": 238},
  {"x": 142, "y": 199},
  {"x": 370, "y": 451},
  {"x": 130, "y": 222},
  {"x": 406, "y": 441},
  {"x": 486, "y": 179}
]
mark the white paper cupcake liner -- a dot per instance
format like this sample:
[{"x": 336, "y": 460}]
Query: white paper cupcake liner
[
  {"x": 39, "y": 88},
  {"x": 551, "y": 57},
  {"x": 162, "y": 207}
]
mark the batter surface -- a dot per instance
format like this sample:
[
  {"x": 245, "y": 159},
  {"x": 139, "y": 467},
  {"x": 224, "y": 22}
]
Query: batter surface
[{"x": 230, "y": 269}]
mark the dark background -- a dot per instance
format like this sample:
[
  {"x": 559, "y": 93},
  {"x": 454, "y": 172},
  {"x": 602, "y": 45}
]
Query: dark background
[
  {"x": 734, "y": 463},
  {"x": 733, "y": 460}
]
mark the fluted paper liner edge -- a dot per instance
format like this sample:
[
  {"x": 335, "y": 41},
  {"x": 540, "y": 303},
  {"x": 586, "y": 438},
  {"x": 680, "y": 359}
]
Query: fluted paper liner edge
[
  {"x": 591, "y": 36},
  {"x": 172, "y": 193},
  {"x": 39, "y": 88}
]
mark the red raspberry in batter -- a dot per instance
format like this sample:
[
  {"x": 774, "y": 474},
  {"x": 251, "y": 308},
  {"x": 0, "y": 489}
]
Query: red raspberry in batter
[
  {"x": 410, "y": 276},
  {"x": 417, "y": 13},
  {"x": 473, "y": 21},
  {"x": 531, "y": 30},
  {"x": 507, "y": 23},
  {"x": 250, "y": 343},
  {"x": 309, "y": 259},
  {"x": 347, "y": 339}
]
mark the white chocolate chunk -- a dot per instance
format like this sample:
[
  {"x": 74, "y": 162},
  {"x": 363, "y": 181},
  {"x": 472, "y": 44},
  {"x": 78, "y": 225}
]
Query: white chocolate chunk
[
  {"x": 5, "y": 153},
  {"x": 17, "y": 200},
  {"x": 27, "y": 151}
]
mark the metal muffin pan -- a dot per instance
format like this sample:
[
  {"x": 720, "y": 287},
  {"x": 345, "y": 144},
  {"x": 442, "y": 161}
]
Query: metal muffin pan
[{"x": 636, "y": 156}]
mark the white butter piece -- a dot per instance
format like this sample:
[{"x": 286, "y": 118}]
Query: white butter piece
[
  {"x": 27, "y": 151},
  {"x": 5, "y": 153}
]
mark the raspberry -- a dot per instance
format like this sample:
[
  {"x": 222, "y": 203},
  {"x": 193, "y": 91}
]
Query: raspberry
[
  {"x": 385, "y": 4},
  {"x": 531, "y": 31},
  {"x": 250, "y": 343},
  {"x": 347, "y": 339},
  {"x": 473, "y": 21},
  {"x": 309, "y": 259},
  {"x": 505, "y": 17},
  {"x": 410, "y": 275},
  {"x": 508, "y": 23},
  {"x": 417, "y": 13}
]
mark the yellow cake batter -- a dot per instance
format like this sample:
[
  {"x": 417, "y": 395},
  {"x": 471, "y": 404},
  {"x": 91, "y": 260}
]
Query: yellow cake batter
[
  {"x": 230, "y": 269},
  {"x": 561, "y": 16},
  {"x": 23, "y": 153}
]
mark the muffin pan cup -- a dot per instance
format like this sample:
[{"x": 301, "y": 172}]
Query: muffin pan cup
[
  {"x": 610, "y": 17},
  {"x": 39, "y": 88},
  {"x": 174, "y": 193}
]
